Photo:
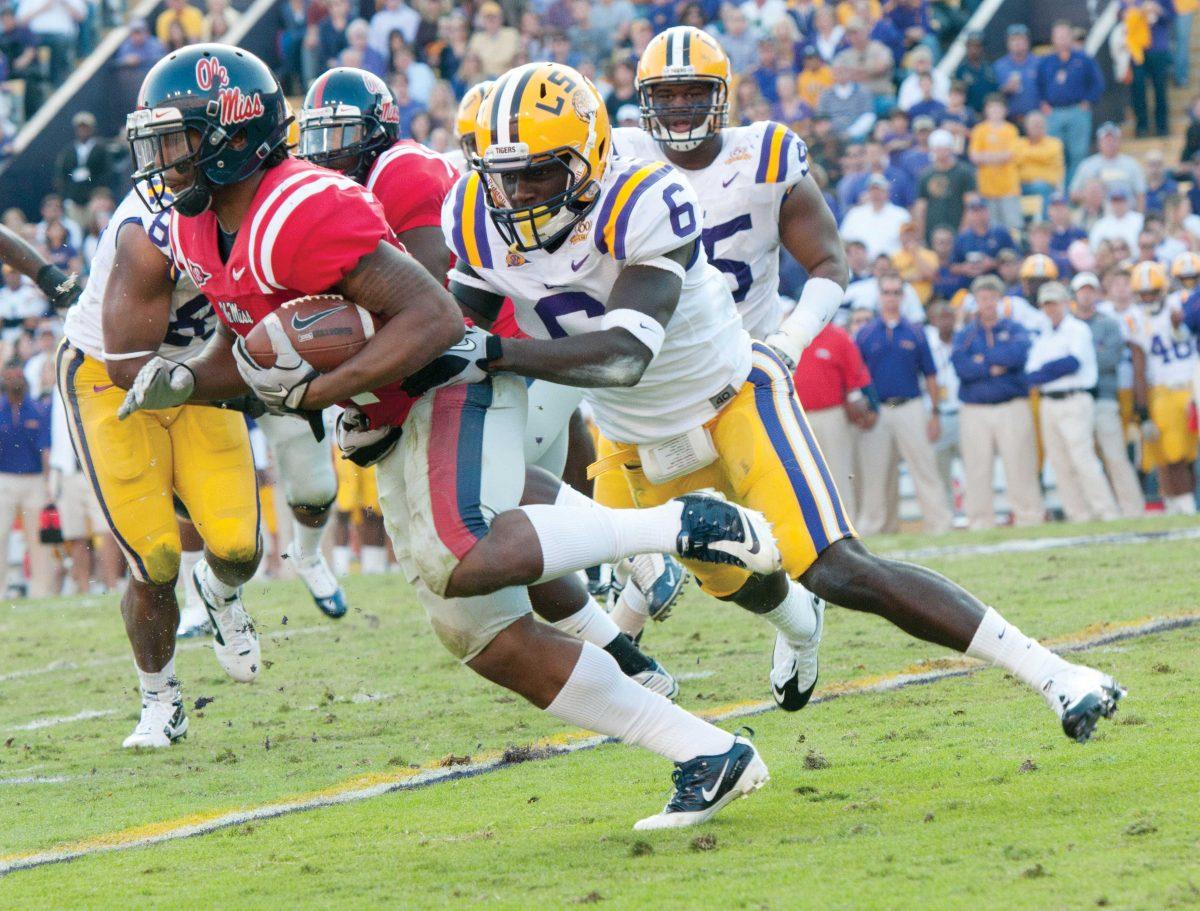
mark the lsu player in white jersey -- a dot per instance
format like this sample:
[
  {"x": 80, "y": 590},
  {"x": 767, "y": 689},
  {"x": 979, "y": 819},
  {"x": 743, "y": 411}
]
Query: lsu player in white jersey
[
  {"x": 1164, "y": 363},
  {"x": 604, "y": 262},
  {"x": 137, "y": 306}
]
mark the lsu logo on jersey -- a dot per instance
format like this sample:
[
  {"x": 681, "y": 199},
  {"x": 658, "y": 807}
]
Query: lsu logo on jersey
[{"x": 514, "y": 259}]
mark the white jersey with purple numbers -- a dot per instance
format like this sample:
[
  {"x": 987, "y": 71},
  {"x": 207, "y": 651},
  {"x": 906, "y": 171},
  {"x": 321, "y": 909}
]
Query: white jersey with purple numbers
[
  {"x": 741, "y": 193},
  {"x": 191, "y": 322},
  {"x": 644, "y": 210},
  {"x": 1170, "y": 350}
]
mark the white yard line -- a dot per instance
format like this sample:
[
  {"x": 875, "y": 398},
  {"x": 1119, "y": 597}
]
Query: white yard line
[
  {"x": 86, "y": 715},
  {"x": 1031, "y": 545}
]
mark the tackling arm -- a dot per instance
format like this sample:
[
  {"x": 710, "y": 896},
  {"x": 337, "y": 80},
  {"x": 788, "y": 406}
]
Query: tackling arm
[
  {"x": 809, "y": 232},
  {"x": 643, "y": 299},
  {"x": 136, "y": 306},
  {"x": 427, "y": 246},
  {"x": 62, "y": 289}
]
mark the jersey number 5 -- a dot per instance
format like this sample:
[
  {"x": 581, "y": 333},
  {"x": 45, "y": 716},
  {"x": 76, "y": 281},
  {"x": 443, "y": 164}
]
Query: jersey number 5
[{"x": 742, "y": 276}]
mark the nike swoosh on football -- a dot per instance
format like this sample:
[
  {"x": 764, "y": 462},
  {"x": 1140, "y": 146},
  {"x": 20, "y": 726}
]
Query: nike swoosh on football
[
  {"x": 300, "y": 323},
  {"x": 238, "y": 273},
  {"x": 576, "y": 266},
  {"x": 726, "y": 183},
  {"x": 709, "y": 795},
  {"x": 103, "y": 388}
]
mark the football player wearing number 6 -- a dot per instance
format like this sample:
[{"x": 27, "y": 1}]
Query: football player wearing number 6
[
  {"x": 603, "y": 258},
  {"x": 137, "y": 307}
]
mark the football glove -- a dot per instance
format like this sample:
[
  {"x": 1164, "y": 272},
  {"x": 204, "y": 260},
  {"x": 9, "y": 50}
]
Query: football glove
[
  {"x": 283, "y": 386},
  {"x": 466, "y": 362},
  {"x": 359, "y": 442},
  {"x": 159, "y": 384},
  {"x": 62, "y": 289},
  {"x": 787, "y": 349}
]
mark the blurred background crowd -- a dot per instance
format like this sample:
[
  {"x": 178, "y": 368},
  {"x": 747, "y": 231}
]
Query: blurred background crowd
[{"x": 965, "y": 193}]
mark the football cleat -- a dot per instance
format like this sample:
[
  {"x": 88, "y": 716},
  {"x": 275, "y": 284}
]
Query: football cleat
[
  {"x": 322, "y": 584},
  {"x": 234, "y": 639},
  {"x": 657, "y": 679},
  {"x": 1081, "y": 696},
  {"x": 659, "y": 578},
  {"x": 713, "y": 530},
  {"x": 794, "y": 671},
  {"x": 162, "y": 723},
  {"x": 706, "y": 784}
]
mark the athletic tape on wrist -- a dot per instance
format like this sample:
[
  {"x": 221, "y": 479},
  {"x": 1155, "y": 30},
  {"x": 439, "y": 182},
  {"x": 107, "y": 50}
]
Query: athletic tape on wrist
[
  {"x": 666, "y": 263},
  {"x": 646, "y": 329},
  {"x": 818, "y": 303}
]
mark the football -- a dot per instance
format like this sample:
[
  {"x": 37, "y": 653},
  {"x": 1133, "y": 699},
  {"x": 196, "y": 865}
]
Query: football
[{"x": 326, "y": 330}]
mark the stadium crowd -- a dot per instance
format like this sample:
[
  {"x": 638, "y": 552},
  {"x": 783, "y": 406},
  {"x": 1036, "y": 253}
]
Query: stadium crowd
[{"x": 994, "y": 232}]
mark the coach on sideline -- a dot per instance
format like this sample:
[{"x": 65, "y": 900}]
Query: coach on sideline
[
  {"x": 989, "y": 358},
  {"x": 1062, "y": 364},
  {"x": 898, "y": 357},
  {"x": 1110, "y": 434}
]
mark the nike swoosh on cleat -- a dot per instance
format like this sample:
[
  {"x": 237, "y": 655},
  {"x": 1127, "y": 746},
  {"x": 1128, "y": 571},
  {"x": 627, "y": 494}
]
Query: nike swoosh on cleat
[
  {"x": 709, "y": 795},
  {"x": 300, "y": 323}
]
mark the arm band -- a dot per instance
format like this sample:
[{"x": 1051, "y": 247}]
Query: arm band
[
  {"x": 646, "y": 329},
  {"x": 127, "y": 355},
  {"x": 665, "y": 263}
]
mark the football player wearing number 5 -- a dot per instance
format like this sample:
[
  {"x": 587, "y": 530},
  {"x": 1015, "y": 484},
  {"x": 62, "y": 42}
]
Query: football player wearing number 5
[
  {"x": 1164, "y": 364},
  {"x": 603, "y": 258},
  {"x": 135, "y": 307}
]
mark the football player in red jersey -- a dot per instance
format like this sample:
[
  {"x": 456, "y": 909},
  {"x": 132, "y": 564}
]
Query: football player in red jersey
[
  {"x": 348, "y": 123},
  {"x": 255, "y": 228}
]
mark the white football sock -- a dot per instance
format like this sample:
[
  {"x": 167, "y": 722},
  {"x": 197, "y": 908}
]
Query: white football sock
[
  {"x": 598, "y": 697},
  {"x": 306, "y": 542},
  {"x": 341, "y": 559},
  {"x": 575, "y": 538},
  {"x": 187, "y": 562},
  {"x": 569, "y": 496},
  {"x": 1183, "y": 504},
  {"x": 1000, "y": 643},
  {"x": 589, "y": 623},
  {"x": 631, "y": 611},
  {"x": 221, "y": 589},
  {"x": 160, "y": 680},
  {"x": 794, "y": 617},
  {"x": 374, "y": 559}
]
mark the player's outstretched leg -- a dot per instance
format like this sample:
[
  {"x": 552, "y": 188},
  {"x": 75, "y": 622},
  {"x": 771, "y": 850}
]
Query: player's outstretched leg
[
  {"x": 193, "y": 619},
  {"x": 580, "y": 684},
  {"x": 308, "y": 524},
  {"x": 566, "y": 604},
  {"x": 219, "y": 583},
  {"x": 151, "y": 615},
  {"x": 931, "y": 607}
]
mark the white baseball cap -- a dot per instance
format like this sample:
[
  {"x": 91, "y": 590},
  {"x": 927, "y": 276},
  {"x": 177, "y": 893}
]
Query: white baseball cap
[
  {"x": 941, "y": 139},
  {"x": 1085, "y": 280}
]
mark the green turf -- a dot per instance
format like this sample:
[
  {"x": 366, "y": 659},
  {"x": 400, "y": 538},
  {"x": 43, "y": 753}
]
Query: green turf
[{"x": 1073, "y": 831}]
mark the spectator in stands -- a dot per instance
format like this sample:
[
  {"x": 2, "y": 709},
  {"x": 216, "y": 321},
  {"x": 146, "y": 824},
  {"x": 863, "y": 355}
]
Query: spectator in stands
[
  {"x": 1191, "y": 143},
  {"x": 975, "y": 73},
  {"x": 763, "y": 14},
  {"x": 868, "y": 63},
  {"x": 358, "y": 51},
  {"x": 863, "y": 293},
  {"x": 396, "y": 16},
  {"x": 1110, "y": 166},
  {"x": 420, "y": 77},
  {"x": 943, "y": 186},
  {"x": 624, "y": 90},
  {"x": 739, "y": 41},
  {"x": 916, "y": 265},
  {"x": 957, "y": 116},
  {"x": 1069, "y": 83},
  {"x": 589, "y": 40},
  {"x": 496, "y": 44},
  {"x": 140, "y": 50},
  {"x": 219, "y": 20},
  {"x": 24, "y": 455},
  {"x": 82, "y": 166},
  {"x": 939, "y": 334},
  {"x": 1041, "y": 235},
  {"x": 405, "y": 105},
  {"x": 1062, "y": 365},
  {"x": 876, "y": 222},
  {"x": 1160, "y": 185},
  {"x": 55, "y": 25},
  {"x": 979, "y": 243},
  {"x": 53, "y": 213},
  {"x": 456, "y": 37},
  {"x": 913, "y": 91},
  {"x": 946, "y": 285},
  {"x": 830, "y": 379},
  {"x": 1181, "y": 51},
  {"x": 989, "y": 358},
  {"x": 660, "y": 14},
  {"x": 993, "y": 151},
  {"x": 917, "y": 157},
  {"x": 1066, "y": 232},
  {"x": 190, "y": 19},
  {"x": 613, "y": 17},
  {"x": 293, "y": 26},
  {"x": 816, "y": 77},
  {"x": 177, "y": 39},
  {"x": 20, "y": 303},
  {"x": 1110, "y": 434},
  {"x": 827, "y": 36},
  {"x": 326, "y": 40},
  {"x": 1120, "y": 222},
  {"x": 1016, "y": 72},
  {"x": 1150, "y": 26},
  {"x": 898, "y": 358},
  {"x": 926, "y": 104},
  {"x": 766, "y": 71},
  {"x": 18, "y": 47},
  {"x": 1041, "y": 163},
  {"x": 849, "y": 106},
  {"x": 790, "y": 109}
]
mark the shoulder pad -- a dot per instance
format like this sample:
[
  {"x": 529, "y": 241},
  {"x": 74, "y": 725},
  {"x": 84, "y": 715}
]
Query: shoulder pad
[
  {"x": 613, "y": 219},
  {"x": 782, "y": 155},
  {"x": 465, "y": 220}
]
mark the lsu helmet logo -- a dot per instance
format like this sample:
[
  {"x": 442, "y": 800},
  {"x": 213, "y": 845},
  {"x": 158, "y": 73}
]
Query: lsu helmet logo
[{"x": 584, "y": 104}]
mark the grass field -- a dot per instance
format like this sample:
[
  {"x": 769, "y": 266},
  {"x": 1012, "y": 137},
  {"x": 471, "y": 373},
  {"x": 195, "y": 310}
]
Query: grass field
[{"x": 960, "y": 791}]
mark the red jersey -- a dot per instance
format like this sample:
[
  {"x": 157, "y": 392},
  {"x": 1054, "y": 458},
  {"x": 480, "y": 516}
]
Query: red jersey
[
  {"x": 305, "y": 230},
  {"x": 829, "y": 368},
  {"x": 411, "y": 182}
]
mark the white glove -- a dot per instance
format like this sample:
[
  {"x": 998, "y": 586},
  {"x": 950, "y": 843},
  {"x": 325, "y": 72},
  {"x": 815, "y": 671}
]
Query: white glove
[
  {"x": 282, "y": 387},
  {"x": 463, "y": 363},
  {"x": 159, "y": 384},
  {"x": 359, "y": 442},
  {"x": 1150, "y": 432},
  {"x": 785, "y": 346}
]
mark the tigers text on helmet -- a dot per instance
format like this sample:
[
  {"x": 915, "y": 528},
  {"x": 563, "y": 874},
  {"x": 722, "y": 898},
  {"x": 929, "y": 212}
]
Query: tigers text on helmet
[
  {"x": 541, "y": 124},
  {"x": 211, "y": 112},
  {"x": 349, "y": 118},
  {"x": 684, "y": 56},
  {"x": 464, "y": 118}
]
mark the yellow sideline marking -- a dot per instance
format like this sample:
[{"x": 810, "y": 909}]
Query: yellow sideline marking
[{"x": 372, "y": 784}]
